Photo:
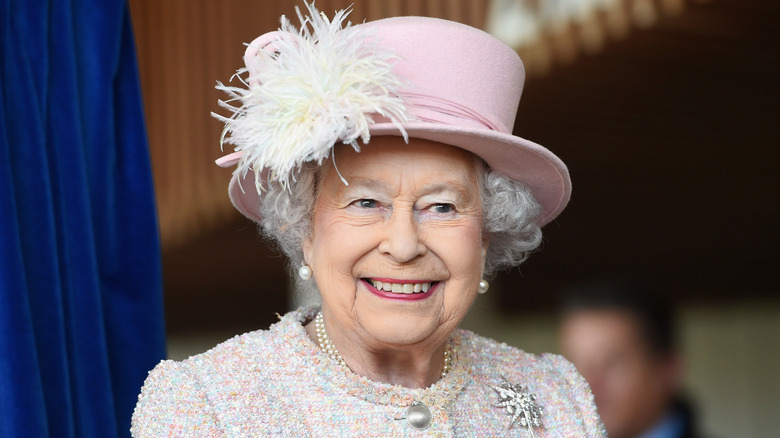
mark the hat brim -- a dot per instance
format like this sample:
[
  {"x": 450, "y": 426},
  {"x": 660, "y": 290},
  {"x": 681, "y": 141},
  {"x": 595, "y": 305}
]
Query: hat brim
[{"x": 519, "y": 159}]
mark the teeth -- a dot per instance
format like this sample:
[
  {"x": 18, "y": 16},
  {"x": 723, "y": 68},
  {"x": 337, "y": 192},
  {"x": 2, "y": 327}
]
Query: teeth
[{"x": 401, "y": 288}]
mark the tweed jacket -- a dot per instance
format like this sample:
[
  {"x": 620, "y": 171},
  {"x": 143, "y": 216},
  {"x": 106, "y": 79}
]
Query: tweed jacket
[{"x": 277, "y": 382}]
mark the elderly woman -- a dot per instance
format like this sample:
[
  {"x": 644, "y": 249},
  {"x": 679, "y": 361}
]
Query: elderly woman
[{"x": 380, "y": 158}]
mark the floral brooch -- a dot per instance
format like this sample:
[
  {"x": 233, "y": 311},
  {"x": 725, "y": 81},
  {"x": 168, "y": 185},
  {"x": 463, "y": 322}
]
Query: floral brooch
[{"x": 520, "y": 404}]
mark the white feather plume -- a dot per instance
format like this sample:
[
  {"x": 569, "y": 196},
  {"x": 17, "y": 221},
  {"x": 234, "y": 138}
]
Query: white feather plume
[{"x": 321, "y": 84}]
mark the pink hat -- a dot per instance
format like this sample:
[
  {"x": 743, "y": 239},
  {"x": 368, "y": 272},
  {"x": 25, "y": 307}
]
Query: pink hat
[{"x": 460, "y": 86}]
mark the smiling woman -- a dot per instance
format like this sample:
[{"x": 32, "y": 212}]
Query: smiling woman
[
  {"x": 413, "y": 215},
  {"x": 379, "y": 157}
]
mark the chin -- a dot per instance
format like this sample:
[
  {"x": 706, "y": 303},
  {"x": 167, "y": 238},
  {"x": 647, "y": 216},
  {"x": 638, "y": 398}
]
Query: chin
[{"x": 402, "y": 329}]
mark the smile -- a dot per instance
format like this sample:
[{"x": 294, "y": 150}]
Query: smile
[{"x": 401, "y": 288}]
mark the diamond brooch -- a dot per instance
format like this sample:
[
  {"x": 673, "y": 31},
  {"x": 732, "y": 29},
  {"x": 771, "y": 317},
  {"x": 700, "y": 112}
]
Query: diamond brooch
[{"x": 520, "y": 404}]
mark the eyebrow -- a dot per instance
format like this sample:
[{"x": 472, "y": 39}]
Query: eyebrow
[
  {"x": 366, "y": 183},
  {"x": 443, "y": 187},
  {"x": 458, "y": 189},
  {"x": 428, "y": 189}
]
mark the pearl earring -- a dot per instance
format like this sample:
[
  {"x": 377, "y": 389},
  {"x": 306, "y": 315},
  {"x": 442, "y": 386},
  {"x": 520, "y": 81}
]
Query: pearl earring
[
  {"x": 304, "y": 272},
  {"x": 483, "y": 286}
]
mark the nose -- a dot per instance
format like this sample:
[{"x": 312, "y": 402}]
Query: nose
[{"x": 402, "y": 237}]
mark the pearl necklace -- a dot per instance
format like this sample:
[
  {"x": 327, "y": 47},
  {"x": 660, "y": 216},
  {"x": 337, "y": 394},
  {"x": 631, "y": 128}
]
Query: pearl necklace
[
  {"x": 327, "y": 346},
  {"x": 324, "y": 340}
]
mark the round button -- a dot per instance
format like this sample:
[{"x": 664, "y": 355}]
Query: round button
[{"x": 418, "y": 416}]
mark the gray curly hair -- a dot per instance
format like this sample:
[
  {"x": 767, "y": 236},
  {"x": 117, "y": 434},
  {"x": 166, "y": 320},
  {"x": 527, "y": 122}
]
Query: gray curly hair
[{"x": 509, "y": 220}]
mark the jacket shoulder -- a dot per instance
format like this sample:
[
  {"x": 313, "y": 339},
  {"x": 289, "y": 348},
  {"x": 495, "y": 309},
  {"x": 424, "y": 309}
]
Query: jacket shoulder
[
  {"x": 173, "y": 403},
  {"x": 560, "y": 390}
]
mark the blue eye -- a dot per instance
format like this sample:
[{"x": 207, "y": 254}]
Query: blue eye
[
  {"x": 443, "y": 208},
  {"x": 366, "y": 203}
]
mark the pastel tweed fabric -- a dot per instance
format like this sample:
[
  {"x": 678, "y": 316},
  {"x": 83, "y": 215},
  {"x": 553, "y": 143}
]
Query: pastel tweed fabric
[{"x": 277, "y": 381}]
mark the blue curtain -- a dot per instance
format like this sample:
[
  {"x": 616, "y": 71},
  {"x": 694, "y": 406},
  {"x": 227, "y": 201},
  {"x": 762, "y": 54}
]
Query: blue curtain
[{"x": 80, "y": 279}]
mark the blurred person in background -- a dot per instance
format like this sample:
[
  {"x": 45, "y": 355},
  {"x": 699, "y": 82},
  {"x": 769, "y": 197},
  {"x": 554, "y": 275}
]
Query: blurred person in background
[{"x": 622, "y": 339}]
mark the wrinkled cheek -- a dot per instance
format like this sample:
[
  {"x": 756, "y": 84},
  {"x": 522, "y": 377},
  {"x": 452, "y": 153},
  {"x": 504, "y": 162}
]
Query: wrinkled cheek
[
  {"x": 476, "y": 263},
  {"x": 333, "y": 278}
]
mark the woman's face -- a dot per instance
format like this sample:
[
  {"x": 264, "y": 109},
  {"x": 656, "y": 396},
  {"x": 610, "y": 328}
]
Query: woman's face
[{"x": 398, "y": 253}]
